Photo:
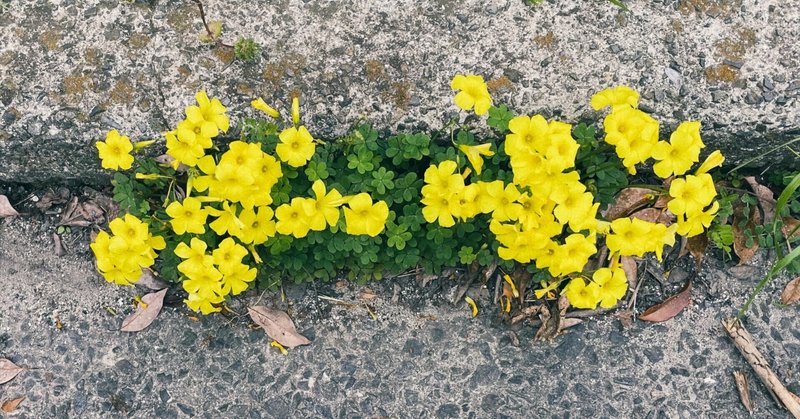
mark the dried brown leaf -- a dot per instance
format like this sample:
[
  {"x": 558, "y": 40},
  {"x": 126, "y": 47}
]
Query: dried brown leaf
[
  {"x": 145, "y": 313},
  {"x": 8, "y": 370},
  {"x": 6, "y": 210},
  {"x": 791, "y": 227},
  {"x": 567, "y": 323},
  {"x": 696, "y": 246},
  {"x": 739, "y": 236},
  {"x": 58, "y": 245},
  {"x": 9, "y": 406},
  {"x": 670, "y": 307},
  {"x": 625, "y": 317},
  {"x": 50, "y": 198},
  {"x": 91, "y": 212},
  {"x": 662, "y": 201},
  {"x": 654, "y": 215},
  {"x": 744, "y": 390},
  {"x": 765, "y": 198},
  {"x": 628, "y": 201},
  {"x": 148, "y": 279},
  {"x": 791, "y": 294},
  {"x": 278, "y": 325},
  {"x": 631, "y": 270},
  {"x": 367, "y": 294}
]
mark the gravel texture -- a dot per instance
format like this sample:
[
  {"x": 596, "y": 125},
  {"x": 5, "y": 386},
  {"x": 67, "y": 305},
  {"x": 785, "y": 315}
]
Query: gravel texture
[
  {"x": 72, "y": 70},
  {"x": 421, "y": 357}
]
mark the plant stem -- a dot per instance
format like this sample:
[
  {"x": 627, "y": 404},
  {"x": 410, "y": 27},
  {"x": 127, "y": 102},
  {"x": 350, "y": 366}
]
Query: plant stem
[
  {"x": 774, "y": 149},
  {"x": 203, "y": 18}
]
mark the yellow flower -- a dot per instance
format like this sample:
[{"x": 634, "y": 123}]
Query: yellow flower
[
  {"x": 183, "y": 151},
  {"x": 228, "y": 253},
  {"x": 262, "y": 106},
  {"x": 208, "y": 111},
  {"x": 204, "y": 305},
  {"x": 467, "y": 205},
  {"x": 440, "y": 207},
  {"x": 528, "y": 135},
  {"x": 236, "y": 278},
  {"x": 256, "y": 227},
  {"x": 582, "y": 295},
  {"x": 506, "y": 207},
  {"x": 293, "y": 218},
  {"x": 115, "y": 151},
  {"x": 474, "y": 153},
  {"x": 326, "y": 205},
  {"x": 616, "y": 97},
  {"x": 364, "y": 217},
  {"x": 572, "y": 255},
  {"x": 187, "y": 216},
  {"x": 296, "y": 110},
  {"x": 194, "y": 256},
  {"x": 629, "y": 237},
  {"x": 713, "y": 160},
  {"x": 691, "y": 194},
  {"x": 692, "y": 224},
  {"x": 680, "y": 153},
  {"x": 296, "y": 147},
  {"x": 633, "y": 133},
  {"x": 443, "y": 177},
  {"x": 613, "y": 285},
  {"x": 474, "y": 93},
  {"x": 227, "y": 221}
]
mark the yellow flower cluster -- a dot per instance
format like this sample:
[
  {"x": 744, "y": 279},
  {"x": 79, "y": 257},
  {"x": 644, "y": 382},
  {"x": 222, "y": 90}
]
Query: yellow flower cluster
[
  {"x": 129, "y": 248},
  {"x": 211, "y": 277},
  {"x": 232, "y": 196}
]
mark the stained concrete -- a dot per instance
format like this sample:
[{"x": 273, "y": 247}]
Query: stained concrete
[{"x": 72, "y": 70}]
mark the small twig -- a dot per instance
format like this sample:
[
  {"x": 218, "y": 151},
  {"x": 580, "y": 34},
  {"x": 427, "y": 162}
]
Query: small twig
[
  {"x": 582, "y": 314},
  {"x": 746, "y": 345},
  {"x": 497, "y": 286},
  {"x": 203, "y": 18}
]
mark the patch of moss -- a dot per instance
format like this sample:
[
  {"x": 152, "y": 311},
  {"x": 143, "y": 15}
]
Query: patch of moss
[
  {"x": 721, "y": 73},
  {"x": 49, "y": 39},
  {"x": 138, "y": 41},
  {"x": 548, "y": 40},
  {"x": 273, "y": 74},
  {"x": 226, "y": 55},
  {"x": 76, "y": 84},
  {"x": 499, "y": 84},
  {"x": 182, "y": 18},
  {"x": 713, "y": 8},
  {"x": 400, "y": 94},
  {"x": 375, "y": 70},
  {"x": 122, "y": 92},
  {"x": 735, "y": 47}
]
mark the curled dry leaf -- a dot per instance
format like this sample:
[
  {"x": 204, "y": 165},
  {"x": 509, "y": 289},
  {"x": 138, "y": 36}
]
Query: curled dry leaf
[
  {"x": 628, "y": 201},
  {"x": 654, "y": 215},
  {"x": 367, "y": 294},
  {"x": 765, "y": 198},
  {"x": 149, "y": 280},
  {"x": 696, "y": 246},
  {"x": 740, "y": 237},
  {"x": 58, "y": 245},
  {"x": 6, "y": 210},
  {"x": 744, "y": 390},
  {"x": 791, "y": 294},
  {"x": 278, "y": 325},
  {"x": 791, "y": 227},
  {"x": 51, "y": 197},
  {"x": 9, "y": 406},
  {"x": 8, "y": 370},
  {"x": 145, "y": 313},
  {"x": 670, "y": 307},
  {"x": 631, "y": 270}
]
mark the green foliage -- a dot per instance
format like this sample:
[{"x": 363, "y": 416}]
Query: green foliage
[
  {"x": 601, "y": 169},
  {"x": 246, "y": 49}
]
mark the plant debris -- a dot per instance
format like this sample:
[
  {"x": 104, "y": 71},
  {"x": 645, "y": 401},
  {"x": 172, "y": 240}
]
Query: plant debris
[
  {"x": 278, "y": 325},
  {"x": 11, "y": 405},
  {"x": 670, "y": 307},
  {"x": 6, "y": 210},
  {"x": 791, "y": 294},
  {"x": 744, "y": 390},
  {"x": 145, "y": 313},
  {"x": 8, "y": 370}
]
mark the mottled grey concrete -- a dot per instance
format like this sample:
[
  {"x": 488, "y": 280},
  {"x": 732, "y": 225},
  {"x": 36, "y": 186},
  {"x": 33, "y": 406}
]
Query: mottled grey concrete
[
  {"x": 72, "y": 70},
  {"x": 422, "y": 357}
]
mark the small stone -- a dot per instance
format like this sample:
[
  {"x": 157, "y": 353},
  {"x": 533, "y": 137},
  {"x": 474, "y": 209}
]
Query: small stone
[
  {"x": 768, "y": 96},
  {"x": 186, "y": 409},
  {"x": 768, "y": 84},
  {"x": 697, "y": 361},
  {"x": 413, "y": 347},
  {"x": 734, "y": 64},
  {"x": 752, "y": 99},
  {"x": 679, "y": 371},
  {"x": 654, "y": 355},
  {"x": 448, "y": 411}
]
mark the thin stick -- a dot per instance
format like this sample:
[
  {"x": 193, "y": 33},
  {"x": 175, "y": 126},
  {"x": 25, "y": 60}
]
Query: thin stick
[{"x": 747, "y": 347}]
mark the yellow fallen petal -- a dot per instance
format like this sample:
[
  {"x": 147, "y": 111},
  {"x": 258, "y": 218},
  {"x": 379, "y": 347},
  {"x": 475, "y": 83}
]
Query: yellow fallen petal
[
  {"x": 472, "y": 305},
  {"x": 262, "y": 106},
  {"x": 280, "y": 347},
  {"x": 514, "y": 290},
  {"x": 142, "y": 144}
]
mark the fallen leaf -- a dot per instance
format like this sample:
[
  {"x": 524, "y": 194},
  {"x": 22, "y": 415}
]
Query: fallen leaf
[
  {"x": 58, "y": 245},
  {"x": 9, "y": 406},
  {"x": 791, "y": 294},
  {"x": 567, "y": 323},
  {"x": 654, "y": 215},
  {"x": 662, "y": 201},
  {"x": 625, "y": 317},
  {"x": 91, "y": 212},
  {"x": 145, "y": 313},
  {"x": 278, "y": 326},
  {"x": 628, "y": 201},
  {"x": 791, "y": 227},
  {"x": 8, "y": 370},
  {"x": 631, "y": 270},
  {"x": 765, "y": 198},
  {"x": 670, "y": 307},
  {"x": 6, "y": 210},
  {"x": 696, "y": 246},
  {"x": 51, "y": 198},
  {"x": 739, "y": 236},
  {"x": 744, "y": 390},
  {"x": 149, "y": 280}
]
